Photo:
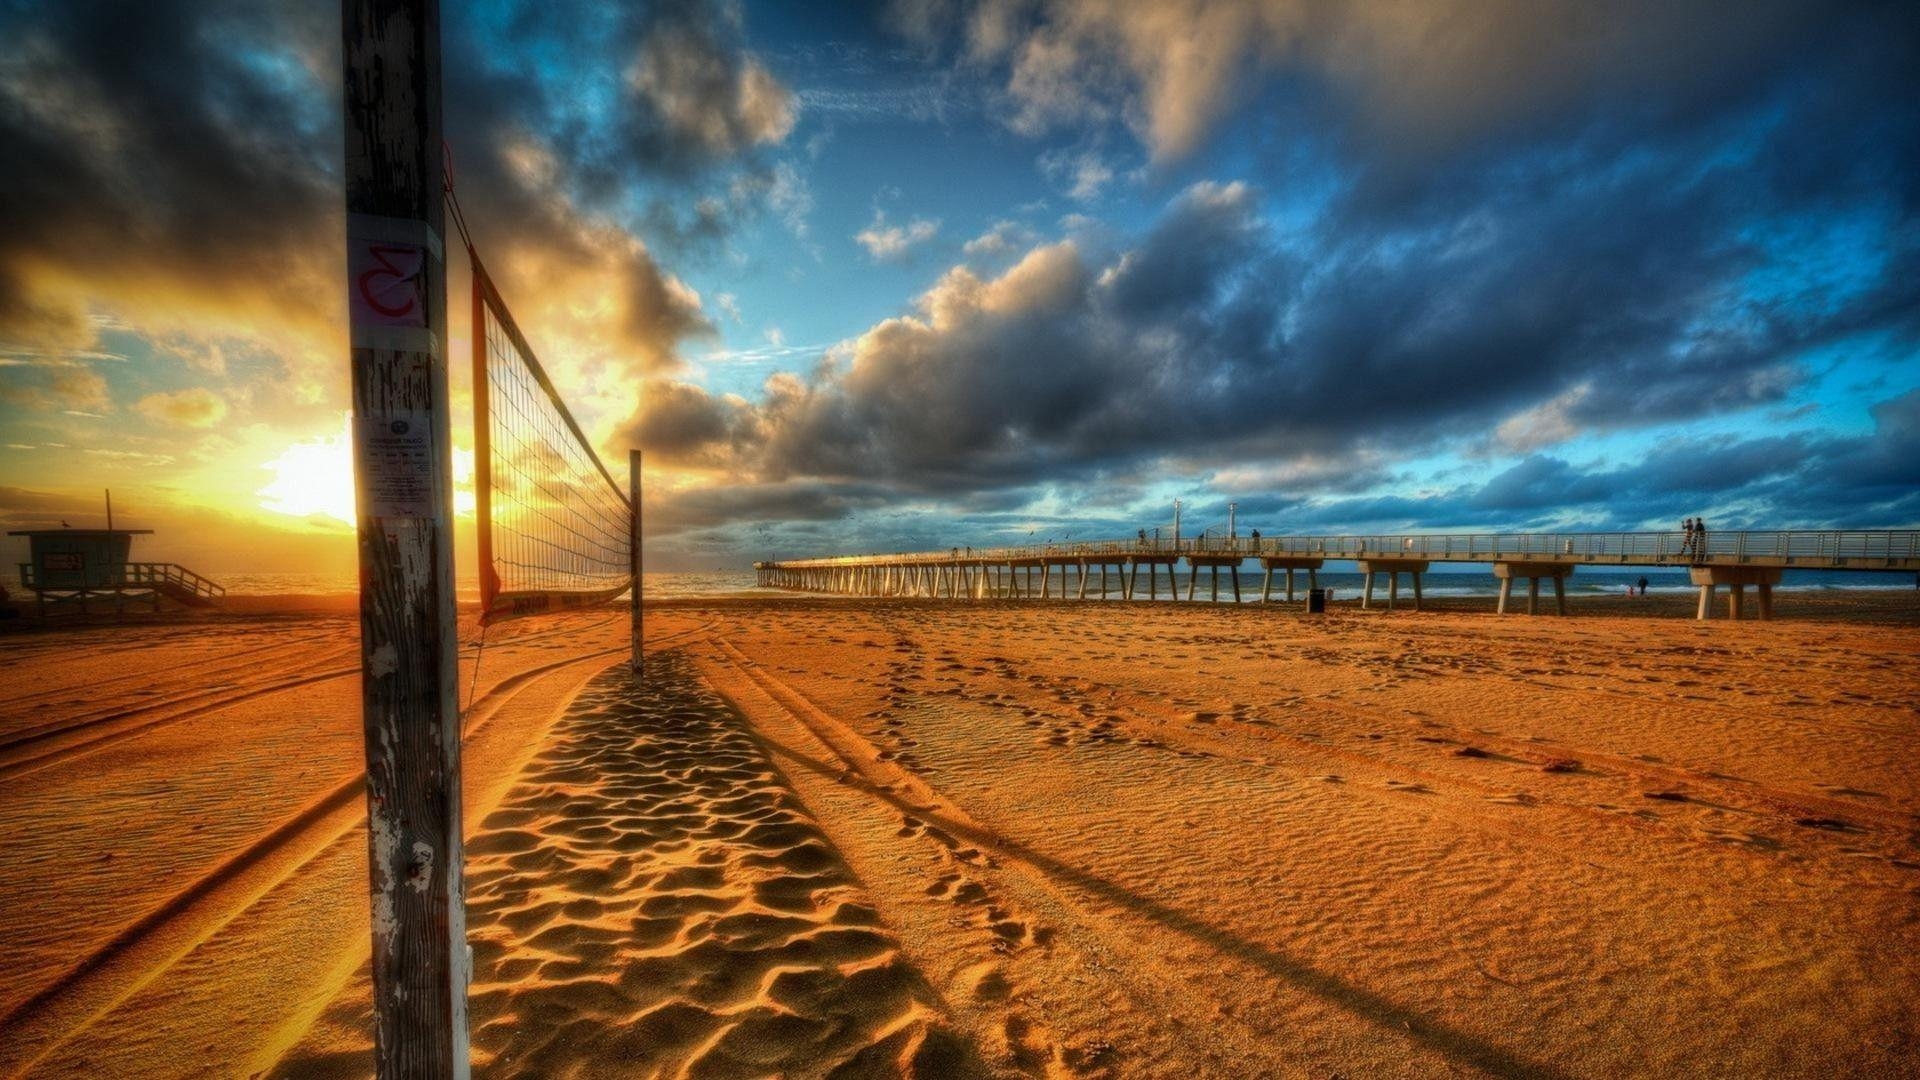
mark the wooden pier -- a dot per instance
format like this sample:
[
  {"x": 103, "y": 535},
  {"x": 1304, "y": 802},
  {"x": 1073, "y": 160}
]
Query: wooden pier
[{"x": 1734, "y": 560}]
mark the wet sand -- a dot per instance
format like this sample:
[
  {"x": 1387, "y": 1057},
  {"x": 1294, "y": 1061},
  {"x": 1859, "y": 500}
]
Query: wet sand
[{"x": 834, "y": 837}]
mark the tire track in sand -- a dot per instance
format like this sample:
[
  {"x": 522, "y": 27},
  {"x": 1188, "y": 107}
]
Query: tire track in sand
[
  {"x": 1096, "y": 931},
  {"x": 135, "y": 957},
  {"x": 184, "y": 671},
  {"x": 1018, "y": 930},
  {"x": 143, "y": 951},
  {"x": 75, "y": 737}
]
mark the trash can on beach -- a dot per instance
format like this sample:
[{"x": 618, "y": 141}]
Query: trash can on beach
[{"x": 1317, "y": 601}]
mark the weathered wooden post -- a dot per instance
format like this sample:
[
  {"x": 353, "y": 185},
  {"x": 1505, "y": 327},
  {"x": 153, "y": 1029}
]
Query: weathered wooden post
[
  {"x": 397, "y": 307},
  {"x": 636, "y": 612}
]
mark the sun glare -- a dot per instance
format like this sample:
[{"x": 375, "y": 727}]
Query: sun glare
[{"x": 315, "y": 476}]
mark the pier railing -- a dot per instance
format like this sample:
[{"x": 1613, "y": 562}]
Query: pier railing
[{"x": 1861, "y": 549}]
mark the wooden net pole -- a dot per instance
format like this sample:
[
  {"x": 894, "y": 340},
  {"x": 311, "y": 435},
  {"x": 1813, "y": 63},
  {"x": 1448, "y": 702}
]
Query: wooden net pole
[
  {"x": 636, "y": 611},
  {"x": 397, "y": 305}
]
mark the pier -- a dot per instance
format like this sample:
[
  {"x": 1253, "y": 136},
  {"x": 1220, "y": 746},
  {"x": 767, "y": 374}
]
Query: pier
[{"x": 1733, "y": 560}]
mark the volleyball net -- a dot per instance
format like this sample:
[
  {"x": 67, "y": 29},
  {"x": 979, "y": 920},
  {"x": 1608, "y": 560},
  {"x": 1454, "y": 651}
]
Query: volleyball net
[{"x": 555, "y": 529}]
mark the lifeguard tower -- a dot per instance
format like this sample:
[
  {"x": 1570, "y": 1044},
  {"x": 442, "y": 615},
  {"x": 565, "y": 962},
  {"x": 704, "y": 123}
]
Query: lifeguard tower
[{"x": 78, "y": 569}]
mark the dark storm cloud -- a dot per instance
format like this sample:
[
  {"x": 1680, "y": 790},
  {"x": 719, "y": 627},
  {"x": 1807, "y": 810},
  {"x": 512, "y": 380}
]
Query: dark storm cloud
[
  {"x": 1403, "y": 84},
  {"x": 684, "y": 426},
  {"x": 564, "y": 116},
  {"x": 1883, "y": 467},
  {"x": 175, "y": 163},
  {"x": 1539, "y": 482},
  {"x": 1641, "y": 243},
  {"x": 160, "y": 151},
  {"x": 1616, "y": 302},
  {"x": 1821, "y": 482},
  {"x": 744, "y": 504}
]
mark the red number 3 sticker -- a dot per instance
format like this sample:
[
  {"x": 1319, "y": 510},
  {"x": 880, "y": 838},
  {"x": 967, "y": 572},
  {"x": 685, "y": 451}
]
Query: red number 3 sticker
[{"x": 386, "y": 288}]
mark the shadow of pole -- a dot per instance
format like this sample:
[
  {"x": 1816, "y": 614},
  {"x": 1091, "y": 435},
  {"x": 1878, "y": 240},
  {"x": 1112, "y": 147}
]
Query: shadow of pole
[
  {"x": 671, "y": 693},
  {"x": 1461, "y": 1046}
]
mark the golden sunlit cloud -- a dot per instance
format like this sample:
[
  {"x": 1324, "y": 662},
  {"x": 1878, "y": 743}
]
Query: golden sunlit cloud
[{"x": 195, "y": 408}]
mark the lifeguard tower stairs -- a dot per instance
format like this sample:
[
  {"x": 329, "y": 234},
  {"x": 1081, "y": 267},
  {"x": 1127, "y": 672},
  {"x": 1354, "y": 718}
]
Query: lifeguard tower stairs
[{"x": 82, "y": 570}]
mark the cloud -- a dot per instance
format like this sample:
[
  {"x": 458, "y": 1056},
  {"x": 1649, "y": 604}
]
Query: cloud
[
  {"x": 1797, "y": 480},
  {"x": 180, "y": 178},
  {"x": 1544, "y": 424},
  {"x": 1004, "y": 238},
  {"x": 1083, "y": 174},
  {"x": 1168, "y": 69},
  {"x": 684, "y": 426},
  {"x": 732, "y": 506},
  {"x": 193, "y": 408},
  {"x": 791, "y": 197},
  {"x": 1216, "y": 343},
  {"x": 56, "y": 385},
  {"x": 934, "y": 102},
  {"x": 891, "y": 243},
  {"x": 1412, "y": 78},
  {"x": 549, "y": 176},
  {"x": 708, "y": 100},
  {"x": 184, "y": 183}
]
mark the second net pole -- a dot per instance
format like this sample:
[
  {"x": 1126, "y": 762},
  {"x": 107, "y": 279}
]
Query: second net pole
[{"x": 633, "y": 546}]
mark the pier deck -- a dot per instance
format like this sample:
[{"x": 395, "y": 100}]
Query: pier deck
[{"x": 1735, "y": 560}]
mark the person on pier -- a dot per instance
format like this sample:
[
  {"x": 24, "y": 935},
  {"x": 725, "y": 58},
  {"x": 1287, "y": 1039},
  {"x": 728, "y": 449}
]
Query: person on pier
[{"x": 1699, "y": 539}]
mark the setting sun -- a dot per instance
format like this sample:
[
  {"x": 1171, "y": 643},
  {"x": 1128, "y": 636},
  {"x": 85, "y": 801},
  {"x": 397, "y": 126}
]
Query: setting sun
[{"x": 315, "y": 476}]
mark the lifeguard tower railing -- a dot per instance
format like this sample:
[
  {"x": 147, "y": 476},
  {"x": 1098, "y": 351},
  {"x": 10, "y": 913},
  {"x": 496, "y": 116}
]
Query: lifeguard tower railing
[
  {"x": 171, "y": 580},
  {"x": 172, "y": 577}
]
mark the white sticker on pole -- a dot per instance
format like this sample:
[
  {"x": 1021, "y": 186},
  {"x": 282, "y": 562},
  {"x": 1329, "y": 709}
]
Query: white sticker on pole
[
  {"x": 394, "y": 463},
  {"x": 386, "y": 282}
]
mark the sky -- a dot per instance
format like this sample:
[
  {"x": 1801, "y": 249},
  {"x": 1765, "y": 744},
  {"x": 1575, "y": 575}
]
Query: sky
[{"x": 909, "y": 275}]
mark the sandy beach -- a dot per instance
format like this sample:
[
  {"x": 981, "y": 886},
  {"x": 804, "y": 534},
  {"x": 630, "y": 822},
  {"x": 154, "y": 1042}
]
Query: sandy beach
[{"x": 879, "y": 838}]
